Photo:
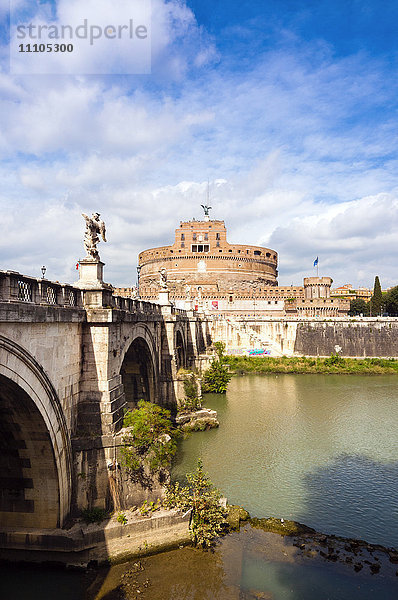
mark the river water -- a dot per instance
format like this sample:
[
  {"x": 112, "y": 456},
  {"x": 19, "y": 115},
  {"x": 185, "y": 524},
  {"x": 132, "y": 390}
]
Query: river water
[
  {"x": 322, "y": 450},
  {"x": 318, "y": 449}
]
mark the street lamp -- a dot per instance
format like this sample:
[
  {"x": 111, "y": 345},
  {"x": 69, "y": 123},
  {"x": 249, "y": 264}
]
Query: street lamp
[
  {"x": 43, "y": 271},
  {"x": 138, "y": 279},
  {"x": 254, "y": 298}
]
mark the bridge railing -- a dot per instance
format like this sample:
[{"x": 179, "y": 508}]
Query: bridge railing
[
  {"x": 15, "y": 287},
  {"x": 136, "y": 305}
]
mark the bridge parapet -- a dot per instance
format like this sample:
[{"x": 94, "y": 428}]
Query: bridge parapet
[{"x": 15, "y": 287}]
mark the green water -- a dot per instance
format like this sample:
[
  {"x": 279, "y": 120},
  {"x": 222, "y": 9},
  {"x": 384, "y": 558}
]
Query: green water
[
  {"x": 322, "y": 450},
  {"x": 319, "y": 449}
]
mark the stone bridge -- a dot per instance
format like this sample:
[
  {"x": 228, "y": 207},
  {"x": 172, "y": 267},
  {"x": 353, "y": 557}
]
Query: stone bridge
[{"x": 71, "y": 361}]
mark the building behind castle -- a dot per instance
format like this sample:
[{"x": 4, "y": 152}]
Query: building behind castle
[{"x": 206, "y": 272}]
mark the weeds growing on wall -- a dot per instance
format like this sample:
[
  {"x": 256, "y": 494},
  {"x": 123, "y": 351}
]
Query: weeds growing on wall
[
  {"x": 191, "y": 400},
  {"x": 217, "y": 377},
  {"x": 151, "y": 440},
  {"x": 94, "y": 515}
]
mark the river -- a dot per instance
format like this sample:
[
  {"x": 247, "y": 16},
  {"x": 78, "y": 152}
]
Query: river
[
  {"x": 318, "y": 449},
  {"x": 322, "y": 450}
]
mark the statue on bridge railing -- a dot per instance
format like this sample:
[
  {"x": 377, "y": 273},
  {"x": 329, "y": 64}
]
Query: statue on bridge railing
[
  {"x": 163, "y": 278},
  {"x": 94, "y": 226}
]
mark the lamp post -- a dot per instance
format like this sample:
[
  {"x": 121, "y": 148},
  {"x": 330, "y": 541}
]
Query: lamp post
[
  {"x": 138, "y": 280},
  {"x": 43, "y": 271},
  {"x": 254, "y": 298}
]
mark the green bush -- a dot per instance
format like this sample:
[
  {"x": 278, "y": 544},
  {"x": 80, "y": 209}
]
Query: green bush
[
  {"x": 151, "y": 440},
  {"x": 217, "y": 377},
  {"x": 191, "y": 400},
  {"x": 208, "y": 516},
  {"x": 334, "y": 360},
  {"x": 94, "y": 515}
]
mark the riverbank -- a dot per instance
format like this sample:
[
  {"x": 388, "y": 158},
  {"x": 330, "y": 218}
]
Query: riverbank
[
  {"x": 257, "y": 563},
  {"x": 241, "y": 365}
]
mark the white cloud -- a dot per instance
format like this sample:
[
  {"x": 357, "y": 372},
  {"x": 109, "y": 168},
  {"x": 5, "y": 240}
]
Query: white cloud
[{"x": 300, "y": 154}]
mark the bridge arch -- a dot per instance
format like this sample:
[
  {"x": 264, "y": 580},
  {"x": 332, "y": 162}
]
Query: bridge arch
[
  {"x": 139, "y": 369},
  {"x": 35, "y": 448},
  {"x": 180, "y": 351}
]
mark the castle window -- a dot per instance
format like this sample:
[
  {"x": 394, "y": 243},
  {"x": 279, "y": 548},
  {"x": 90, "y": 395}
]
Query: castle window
[
  {"x": 220, "y": 250},
  {"x": 200, "y": 248},
  {"x": 183, "y": 236},
  {"x": 217, "y": 244},
  {"x": 268, "y": 254},
  {"x": 230, "y": 250},
  {"x": 206, "y": 237},
  {"x": 194, "y": 236},
  {"x": 217, "y": 236},
  {"x": 182, "y": 245},
  {"x": 257, "y": 253},
  {"x": 247, "y": 251}
]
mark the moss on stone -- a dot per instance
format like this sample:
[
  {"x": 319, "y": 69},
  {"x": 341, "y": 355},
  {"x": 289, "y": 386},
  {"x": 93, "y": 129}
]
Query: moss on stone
[
  {"x": 284, "y": 527},
  {"x": 236, "y": 515}
]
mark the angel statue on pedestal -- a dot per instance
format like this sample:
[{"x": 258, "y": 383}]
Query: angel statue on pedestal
[
  {"x": 94, "y": 226},
  {"x": 163, "y": 279}
]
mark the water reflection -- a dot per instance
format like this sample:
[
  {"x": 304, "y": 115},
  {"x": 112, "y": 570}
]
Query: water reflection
[
  {"x": 355, "y": 494},
  {"x": 300, "y": 446}
]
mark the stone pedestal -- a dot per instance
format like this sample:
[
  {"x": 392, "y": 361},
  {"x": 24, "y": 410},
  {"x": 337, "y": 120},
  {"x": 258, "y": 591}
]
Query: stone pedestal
[
  {"x": 163, "y": 299},
  {"x": 96, "y": 292},
  {"x": 90, "y": 274}
]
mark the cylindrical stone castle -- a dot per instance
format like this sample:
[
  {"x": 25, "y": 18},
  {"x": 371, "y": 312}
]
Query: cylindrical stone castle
[{"x": 202, "y": 259}]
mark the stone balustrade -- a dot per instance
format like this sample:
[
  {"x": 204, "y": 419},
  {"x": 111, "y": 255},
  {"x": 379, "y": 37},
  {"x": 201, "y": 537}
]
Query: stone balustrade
[{"x": 15, "y": 287}]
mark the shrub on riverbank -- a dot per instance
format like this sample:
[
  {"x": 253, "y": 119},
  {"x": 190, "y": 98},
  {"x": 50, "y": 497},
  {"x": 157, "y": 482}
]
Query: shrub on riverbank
[
  {"x": 200, "y": 495},
  {"x": 304, "y": 364}
]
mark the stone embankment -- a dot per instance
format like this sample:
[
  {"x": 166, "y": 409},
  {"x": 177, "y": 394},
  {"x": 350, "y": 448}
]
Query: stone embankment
[
  {"x": 98, "y": 543},
  {"x": 197, "y": 420}
]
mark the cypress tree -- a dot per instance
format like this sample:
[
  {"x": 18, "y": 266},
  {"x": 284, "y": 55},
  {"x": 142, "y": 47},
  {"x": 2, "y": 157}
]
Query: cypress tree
[{"x": 377, "y": 298}]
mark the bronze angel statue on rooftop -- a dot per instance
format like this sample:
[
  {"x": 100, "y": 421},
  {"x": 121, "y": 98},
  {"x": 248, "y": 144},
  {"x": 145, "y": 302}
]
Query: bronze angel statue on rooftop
[
  {"x": 206, "y": 209},
  {"x": 94, "y": 226}
]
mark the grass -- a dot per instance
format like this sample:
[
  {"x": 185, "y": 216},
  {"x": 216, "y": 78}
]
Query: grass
[{"x": 240, "y": 365}]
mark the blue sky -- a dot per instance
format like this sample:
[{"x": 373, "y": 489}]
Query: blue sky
[{"x": 288, "y": 107}]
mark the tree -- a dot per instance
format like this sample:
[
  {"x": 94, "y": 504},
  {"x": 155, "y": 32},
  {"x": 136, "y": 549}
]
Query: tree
[
  {"x": 391, "y": 302},
  {"x": 359, "y": 307},
  {"x": 376, "y": 301},
  {"x": 200, "y": 495}
]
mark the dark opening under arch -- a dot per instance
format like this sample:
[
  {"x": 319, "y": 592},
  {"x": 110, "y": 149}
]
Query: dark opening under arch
[
  {"x": 138, "y": 374},
  {"x": 29, "y": 490},
  {"x": 180, "y": 351}
]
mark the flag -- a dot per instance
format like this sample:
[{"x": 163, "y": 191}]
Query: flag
[
  {"x": 316, "y": 262},
  {"x": 214, "y": 304},
  {"x": 77, "y": 266}
]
